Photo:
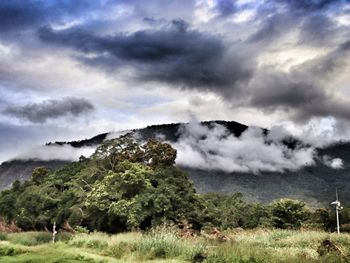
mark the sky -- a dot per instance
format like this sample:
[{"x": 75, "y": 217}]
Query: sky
[{"x": 71, "y": 69}]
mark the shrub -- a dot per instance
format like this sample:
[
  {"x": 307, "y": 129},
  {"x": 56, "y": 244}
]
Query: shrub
[
  {"x": 30, "y": 238},
  {"x": 120, "y": 249},
  {"x": 3, "y": 236},
  {"x": 95, "y": 240},
  {"x": 161, "y": 243},
  {"x": 64, "y": 236},
  {"x": 288, "y": 213},
  {"x": 9, "y": 251}
]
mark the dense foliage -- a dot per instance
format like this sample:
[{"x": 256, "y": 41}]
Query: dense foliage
[
  {"x": 126, "y": 185},
  {"x": 123, "y": 186}
]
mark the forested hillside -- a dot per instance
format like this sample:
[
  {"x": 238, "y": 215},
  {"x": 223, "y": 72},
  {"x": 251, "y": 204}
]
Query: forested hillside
[
  {"x": 313, "y": 184},
  {"x": 127, "y": 185}
]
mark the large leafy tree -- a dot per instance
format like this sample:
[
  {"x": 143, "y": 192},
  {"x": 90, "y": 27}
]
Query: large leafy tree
[
  {"x": 141, "y": 188},
  {"x": 119, "y": 198},
  {"x": 231, "y": 211},
  {"x": 288, "y": 213},
  {"x": 124, "y": 185},
  {"x": 114, "y": 151}
]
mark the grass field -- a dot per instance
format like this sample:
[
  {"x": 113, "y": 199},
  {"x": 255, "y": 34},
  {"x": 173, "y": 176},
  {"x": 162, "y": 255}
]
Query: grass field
[{"x": 165, "y": 246}]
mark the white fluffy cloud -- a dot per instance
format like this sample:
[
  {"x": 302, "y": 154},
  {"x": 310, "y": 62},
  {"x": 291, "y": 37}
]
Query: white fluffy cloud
[
  {"x": 273, "y": 61},
  {"x": 53, "y": 152},
  {"x": 214, "y": 148},
  {"x": 335, "y": 163}
]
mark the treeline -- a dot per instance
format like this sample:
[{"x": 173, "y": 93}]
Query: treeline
[{"x": 126, "y": 186}]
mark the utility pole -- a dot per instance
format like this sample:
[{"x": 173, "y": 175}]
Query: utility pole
[{"x": 337, "y": 208}]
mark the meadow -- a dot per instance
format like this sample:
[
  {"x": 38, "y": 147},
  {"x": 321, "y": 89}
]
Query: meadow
[{"x": 165, "y": 245}]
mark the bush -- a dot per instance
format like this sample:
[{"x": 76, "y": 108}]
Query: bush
[
  {"x": 9, "y": 251},
  {"x": 81, "y": 230},
  {"x": 120, "y": 249},
  {"x": 223, "y": 258},
  {"x": 288, "y": 214},
  {"x": 30, "y": 238},
  {"x": 97, "y": 241},
  {"x": 3, "y": 236},
  {"x": 64, "y": 236},
  {"x": 161, "y": 243}
]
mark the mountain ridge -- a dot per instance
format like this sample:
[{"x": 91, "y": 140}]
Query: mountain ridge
[{"x": 313, "y": 184}]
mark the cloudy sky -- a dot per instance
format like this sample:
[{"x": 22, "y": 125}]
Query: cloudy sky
[{"x": 70, "y": 69}]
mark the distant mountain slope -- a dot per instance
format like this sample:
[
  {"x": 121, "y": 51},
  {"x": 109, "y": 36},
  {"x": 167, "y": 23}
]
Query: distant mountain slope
[
  {"x": 22, "y": 170},
  {"x": 314, "y": 184},
  {"x": 169, "y": 131},
  {"x": 96, "y": 140}
]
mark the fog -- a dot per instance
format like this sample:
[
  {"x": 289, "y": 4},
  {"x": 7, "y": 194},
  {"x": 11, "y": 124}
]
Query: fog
[
  {"x": 214, "y": 148},
  {"x": 55, "y": 152}
]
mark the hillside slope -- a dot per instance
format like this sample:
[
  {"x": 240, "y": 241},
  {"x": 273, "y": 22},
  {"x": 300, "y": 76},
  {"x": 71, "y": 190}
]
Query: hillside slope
[{"x": 313, "y": 184}]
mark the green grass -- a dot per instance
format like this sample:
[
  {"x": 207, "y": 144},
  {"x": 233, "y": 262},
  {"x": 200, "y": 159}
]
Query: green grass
[{"x": 163, "y": 245}]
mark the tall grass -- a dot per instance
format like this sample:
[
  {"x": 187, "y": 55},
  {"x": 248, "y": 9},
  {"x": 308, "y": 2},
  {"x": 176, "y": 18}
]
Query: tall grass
[
  {"x": 97, "y": 241},
  {"x": 165, "y": 245},
  {"x": 33, "y": 238}
]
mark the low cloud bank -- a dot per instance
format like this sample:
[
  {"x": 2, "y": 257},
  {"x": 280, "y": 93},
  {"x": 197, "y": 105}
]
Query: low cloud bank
[
  {"x": 335, "y": 163},
  {"x": 116, "y": 134},
  {"x": 215, "y": 148},
  {"x": 47, "y": 153}
]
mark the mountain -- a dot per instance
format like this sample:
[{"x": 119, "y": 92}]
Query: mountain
[
  {"x": 22, "y": 169},
  {"x": 313, "y": 184}
]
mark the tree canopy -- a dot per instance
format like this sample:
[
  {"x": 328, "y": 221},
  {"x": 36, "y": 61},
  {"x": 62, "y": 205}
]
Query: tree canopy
[
  {"x": 129, "y": 185},
  {"x": 124, "y": 185}
]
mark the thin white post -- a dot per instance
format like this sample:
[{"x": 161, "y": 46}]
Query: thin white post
[
  {"x": 54, "y": 232},
  {"x": 337, "y": 208},
  {"x": 337, "y": 213}
]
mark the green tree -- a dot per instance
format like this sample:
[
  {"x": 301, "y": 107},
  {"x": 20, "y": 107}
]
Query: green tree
[
  {"x": 157, "y": 153},
  {"x": 114, "y": 151},
  {"x": 288, "y": 213},
  {"x": 7, "y": 205},
  {"x": 39, "y": 174},
  {"x": 137, "y": 196},
  {"x": 230, "y": 211},
  {"x": 119, "y": 197}
]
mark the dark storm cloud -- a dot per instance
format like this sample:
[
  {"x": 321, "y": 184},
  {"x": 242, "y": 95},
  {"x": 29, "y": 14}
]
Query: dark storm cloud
[
  {"x": 327, "y": 66},
  {"x": 311, "y": 5},
  {"x": 15, "y": 14},
  {"x": 303, "y": 92},
  {"x": 18, "y": 15},
  {"x": 299, "y": 97},
  {"x": 272, "y": 28},
  {"x": 174, "y": 54},
  {"x": 226, "y": 7},
  {"x": 283, "y": 90},
  {"x": 50, "y": 109},
  {"x": 344, "y": 46},
  {"x": 178, "y": 55},
  {"x": 311, "y": 18},
  {"x": 318, "y": 30}
]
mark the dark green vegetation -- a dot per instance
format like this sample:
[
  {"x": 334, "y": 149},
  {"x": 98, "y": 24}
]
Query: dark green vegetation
[
  {"x": 314, "y": 185},
  {"x": 127, "y": 186},
  {"x": 21, "y": 170},
  {"x": 136, "y": 188},
  {"x": 166, "y": 245},
  {"x": 121, "y": 187}
]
